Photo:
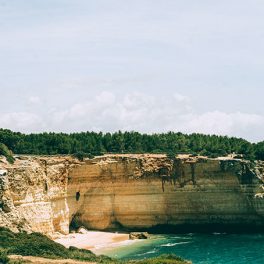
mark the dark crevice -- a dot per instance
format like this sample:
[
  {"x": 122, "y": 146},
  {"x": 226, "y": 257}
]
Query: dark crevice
[
  {"x": 247, "y": 175},
  {"x": 192, "y": 165},
  {"x": 46, "y": 187},
  {"x": 77, "y": 196}
]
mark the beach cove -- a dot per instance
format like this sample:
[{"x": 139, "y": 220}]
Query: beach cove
[{"x": 96, "y": 241}]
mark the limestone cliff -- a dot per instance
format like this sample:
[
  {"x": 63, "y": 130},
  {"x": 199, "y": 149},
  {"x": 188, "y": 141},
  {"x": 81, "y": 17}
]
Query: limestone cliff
[
  {"x": 47, "y": 194},
  {"x": 33, "y": 194}
]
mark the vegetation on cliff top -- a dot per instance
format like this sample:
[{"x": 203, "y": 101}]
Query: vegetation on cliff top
[
  {"x": 7, "y": 153},
  {"x": 36, "y": 244},
  {"x": 93, "y": 143}
]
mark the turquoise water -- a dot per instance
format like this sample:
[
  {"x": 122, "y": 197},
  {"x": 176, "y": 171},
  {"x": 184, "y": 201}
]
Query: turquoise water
[{"x": 199, "y": 248}]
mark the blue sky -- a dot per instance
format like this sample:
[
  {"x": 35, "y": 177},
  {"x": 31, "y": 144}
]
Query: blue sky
[{"x": 149, "y": 65}]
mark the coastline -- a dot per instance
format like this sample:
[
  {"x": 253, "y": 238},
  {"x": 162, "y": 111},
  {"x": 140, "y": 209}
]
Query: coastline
[
  {"x": 197, "y": 247},
  {"x": 96, "y": 241}
]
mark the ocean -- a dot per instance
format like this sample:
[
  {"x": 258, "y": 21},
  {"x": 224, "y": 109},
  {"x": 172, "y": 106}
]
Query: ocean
[{"x": 216, "y": 248}]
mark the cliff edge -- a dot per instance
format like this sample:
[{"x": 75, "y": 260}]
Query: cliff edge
[{"x": 50, "y": 194}]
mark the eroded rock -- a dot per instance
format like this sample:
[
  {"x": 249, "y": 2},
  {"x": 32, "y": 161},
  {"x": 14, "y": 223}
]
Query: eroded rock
[
  {"x": 45, "y": 194},
  {"x": 138, "y": 235}
]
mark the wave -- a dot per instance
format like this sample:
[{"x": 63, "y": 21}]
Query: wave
[
  {"x": 148, "y": 252},
  {"x": 180, "y": 237},
  {"x": 174, "y": 244}
]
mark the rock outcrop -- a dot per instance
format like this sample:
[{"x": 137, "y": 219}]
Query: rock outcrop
[
  {"x": 138, "y": 235},
  {"x": 50, "y": 194},
  {"x": 33, "y": 194}
]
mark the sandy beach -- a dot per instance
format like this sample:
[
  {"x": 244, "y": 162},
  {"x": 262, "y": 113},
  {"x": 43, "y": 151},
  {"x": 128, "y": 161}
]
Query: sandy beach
[{"x": 96, "y": 241}]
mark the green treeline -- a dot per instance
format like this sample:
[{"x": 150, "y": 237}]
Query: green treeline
[{"x": 128, "y": 142}]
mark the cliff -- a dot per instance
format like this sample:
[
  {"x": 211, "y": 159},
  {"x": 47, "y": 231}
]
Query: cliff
[{"x": 49, "y": 194}]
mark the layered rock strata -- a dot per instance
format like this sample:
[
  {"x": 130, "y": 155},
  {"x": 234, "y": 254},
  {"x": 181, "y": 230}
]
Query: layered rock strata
[{"x": 48, "y": 194}]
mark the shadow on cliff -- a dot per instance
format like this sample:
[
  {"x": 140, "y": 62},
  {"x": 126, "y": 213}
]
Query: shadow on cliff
[{"x": 206, "y": 228}]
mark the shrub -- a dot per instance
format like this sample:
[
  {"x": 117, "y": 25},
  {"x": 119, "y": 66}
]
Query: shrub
[
  {"x": 80, "y": 155},
  {"x": 162, "y": 259},
  {"x": 3, "y": 256},
  {"x": 171, "y": 155},
  {"x": 7, "y": 153}
]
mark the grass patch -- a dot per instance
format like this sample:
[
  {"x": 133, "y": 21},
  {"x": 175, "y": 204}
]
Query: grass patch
[
  {"x": 3, "y": 256},
  {"x": 162, "y": 259}
]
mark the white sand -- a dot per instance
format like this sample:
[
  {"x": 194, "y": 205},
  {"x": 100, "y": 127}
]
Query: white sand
[{"x": 94, "y": 240}]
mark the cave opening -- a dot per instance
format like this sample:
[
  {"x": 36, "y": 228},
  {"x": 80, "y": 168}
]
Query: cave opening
[{"x": 75, "y": 223}]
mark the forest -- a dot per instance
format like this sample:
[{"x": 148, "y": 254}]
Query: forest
[{"x": 92, "y": 143}]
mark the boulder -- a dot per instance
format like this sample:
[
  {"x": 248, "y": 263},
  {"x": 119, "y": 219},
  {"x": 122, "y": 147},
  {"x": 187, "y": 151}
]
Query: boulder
[
  {"x": 82, "y": 230},
  {"x": 138, "y": 235},
  {"x": 3, "y": 172}
]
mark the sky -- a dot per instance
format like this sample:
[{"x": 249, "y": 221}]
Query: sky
[{"x": 143, "y": 65}]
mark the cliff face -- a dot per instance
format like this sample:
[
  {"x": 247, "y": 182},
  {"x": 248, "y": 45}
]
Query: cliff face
[
  {"x": 47, "y": 194},
  {"x": 33, "y": 194}
]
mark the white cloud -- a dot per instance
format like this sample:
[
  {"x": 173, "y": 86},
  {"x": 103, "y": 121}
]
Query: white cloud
[
  {"x": 22, "y": 122},
  {"x": 34, "y": 100},
  {"x": 134, "y": 111},
  {"x": 140, "y": 112},
  {"x": 216, "y": 122},
  {"x": 145, "y": 113},
  {"x": 181, "y": 98}
]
